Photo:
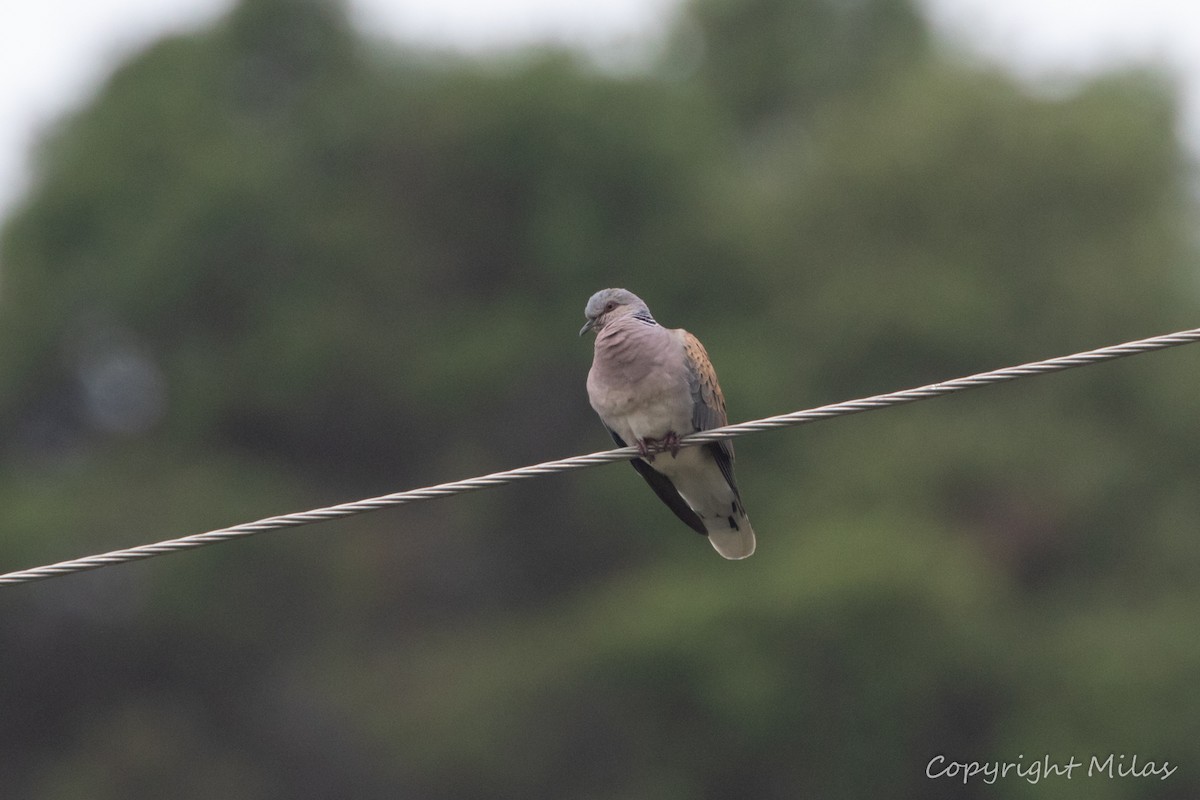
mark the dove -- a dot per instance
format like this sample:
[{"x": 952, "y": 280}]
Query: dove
[{"x": 651, "y": 385}]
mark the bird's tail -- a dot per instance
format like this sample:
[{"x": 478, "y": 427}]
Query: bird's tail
[{"x": 732, "y": 542}]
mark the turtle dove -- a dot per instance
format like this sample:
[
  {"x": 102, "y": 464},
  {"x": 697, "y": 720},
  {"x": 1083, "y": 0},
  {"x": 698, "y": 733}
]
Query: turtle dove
[{"x": 650, "y": 385}]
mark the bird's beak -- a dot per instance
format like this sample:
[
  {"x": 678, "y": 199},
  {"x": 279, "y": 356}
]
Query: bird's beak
[{"x": 587, "y": 326}]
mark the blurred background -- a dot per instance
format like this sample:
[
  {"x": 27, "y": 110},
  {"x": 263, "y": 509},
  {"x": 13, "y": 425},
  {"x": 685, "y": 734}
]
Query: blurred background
[{"x": 278, "y": 260}]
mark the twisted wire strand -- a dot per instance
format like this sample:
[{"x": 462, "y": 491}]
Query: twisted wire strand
[{"x": 603, "y": 457}]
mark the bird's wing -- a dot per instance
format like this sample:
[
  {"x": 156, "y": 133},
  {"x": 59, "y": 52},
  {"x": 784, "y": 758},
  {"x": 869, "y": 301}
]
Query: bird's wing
[
  {"x": 665, "y": 490},
  {"x": 708, "y": 403}
]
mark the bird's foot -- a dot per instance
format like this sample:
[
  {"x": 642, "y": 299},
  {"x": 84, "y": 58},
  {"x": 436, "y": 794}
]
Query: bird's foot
[{"x": 669, "y": 443}]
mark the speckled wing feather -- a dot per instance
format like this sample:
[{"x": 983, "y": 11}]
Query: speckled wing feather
[{"x": 708, "y": 403}]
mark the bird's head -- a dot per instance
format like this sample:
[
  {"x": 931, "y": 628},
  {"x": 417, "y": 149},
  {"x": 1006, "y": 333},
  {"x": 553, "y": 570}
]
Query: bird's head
[{"x": 608, "y": 305}]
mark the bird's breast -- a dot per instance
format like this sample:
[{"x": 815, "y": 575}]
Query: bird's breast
[{"x": 635, "y": 387}]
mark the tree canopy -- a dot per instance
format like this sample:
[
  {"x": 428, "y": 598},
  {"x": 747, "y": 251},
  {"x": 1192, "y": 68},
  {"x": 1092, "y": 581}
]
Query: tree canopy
[{"x": 279, "y": 263}]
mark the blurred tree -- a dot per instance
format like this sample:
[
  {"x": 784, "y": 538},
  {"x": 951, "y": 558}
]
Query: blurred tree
[
  {"x": 766, "y": 58},
  {"x": 276, "y": 264}
]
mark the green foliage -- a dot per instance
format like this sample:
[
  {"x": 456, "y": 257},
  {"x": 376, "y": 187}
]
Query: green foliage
[
  {"x": 762, "y": 58},
  {"x": 276, "y": 265}
]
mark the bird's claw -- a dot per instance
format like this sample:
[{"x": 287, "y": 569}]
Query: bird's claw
[{"x": 669, "y": 443}]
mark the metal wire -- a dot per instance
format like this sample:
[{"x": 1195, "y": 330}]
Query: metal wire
[{"x": 604, "y": 457}]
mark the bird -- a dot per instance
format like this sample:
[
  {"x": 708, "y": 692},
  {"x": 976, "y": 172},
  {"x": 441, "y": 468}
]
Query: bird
[{"x": 650, "y": 385}]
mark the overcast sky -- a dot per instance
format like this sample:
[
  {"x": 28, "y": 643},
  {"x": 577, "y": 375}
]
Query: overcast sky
[{"x": 53, "y": 53}]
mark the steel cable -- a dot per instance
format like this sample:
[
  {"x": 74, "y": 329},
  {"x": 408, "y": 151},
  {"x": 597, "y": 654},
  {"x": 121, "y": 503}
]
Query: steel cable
[{"x": 604, "y": 457}]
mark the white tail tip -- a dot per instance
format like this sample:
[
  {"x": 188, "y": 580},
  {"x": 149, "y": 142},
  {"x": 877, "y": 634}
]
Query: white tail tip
[{"x": 732, "y": 543}]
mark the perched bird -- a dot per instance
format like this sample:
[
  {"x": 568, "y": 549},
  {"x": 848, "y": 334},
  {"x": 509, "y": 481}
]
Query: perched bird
[{"x": 650, "y": 385}]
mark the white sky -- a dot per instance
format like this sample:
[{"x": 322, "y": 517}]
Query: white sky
[{"x": 53, "y": 53}]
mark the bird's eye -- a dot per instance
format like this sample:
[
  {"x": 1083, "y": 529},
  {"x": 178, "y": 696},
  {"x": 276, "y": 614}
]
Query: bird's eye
[{"x": 610, "y": 305}]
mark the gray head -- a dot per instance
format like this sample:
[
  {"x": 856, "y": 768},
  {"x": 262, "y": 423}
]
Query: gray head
[{"x": 608, "y": 305}]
